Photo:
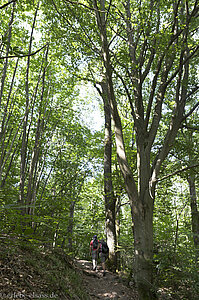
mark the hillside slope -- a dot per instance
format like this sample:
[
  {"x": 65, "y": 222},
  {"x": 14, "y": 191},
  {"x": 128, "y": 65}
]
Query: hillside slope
[{"x": 29, "y": 272}]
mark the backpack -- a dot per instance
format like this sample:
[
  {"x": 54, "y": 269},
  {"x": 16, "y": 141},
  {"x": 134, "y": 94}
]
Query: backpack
[
  {"x": 105, "y": 248},
  {"x": 95, "y": 243}
]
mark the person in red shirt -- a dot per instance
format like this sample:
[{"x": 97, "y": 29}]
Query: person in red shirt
[{"x": 94, "y": 247}]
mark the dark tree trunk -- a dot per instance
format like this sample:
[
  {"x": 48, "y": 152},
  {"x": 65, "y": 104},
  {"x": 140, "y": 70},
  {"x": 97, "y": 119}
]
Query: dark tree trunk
[
  {"x": 109, "y": 198},
  {"x": 70, "y": 226},
  {"x": 117, "y": 229},
  {"x": 194, "y": 214},
  {"x": 24, "y": 144}
]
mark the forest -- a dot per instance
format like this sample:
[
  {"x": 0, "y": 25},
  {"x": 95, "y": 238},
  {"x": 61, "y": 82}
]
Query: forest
[{"x": 99, "y": 135}]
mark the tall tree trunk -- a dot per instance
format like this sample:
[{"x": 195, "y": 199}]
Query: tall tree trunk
[
  {"x": 194, "y": 214},
  {"x": 75, "y": 195},
  {"x": 117, "y": 229},
  {"x": 32, "y": 176},
  {"x": 146, "y": 122},
  {"x": 140, "y": 203},
  {"x": 25, "y": 124},
  {"x": 3, "y": 78},
  {"x": 70, "y": 225},
  {"x": 55, "y": 237},
  {"x": 4, "y": 107},
  {"x": 110, "y": 200}
]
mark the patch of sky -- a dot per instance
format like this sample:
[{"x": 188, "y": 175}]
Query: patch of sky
[{"x": 88, "y": 104}]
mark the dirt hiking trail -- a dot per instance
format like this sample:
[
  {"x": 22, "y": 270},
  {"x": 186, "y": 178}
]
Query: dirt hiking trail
[{"x": 102, "y": 287}]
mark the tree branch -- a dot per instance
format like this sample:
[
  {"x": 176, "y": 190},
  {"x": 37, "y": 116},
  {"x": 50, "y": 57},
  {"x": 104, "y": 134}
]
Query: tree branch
[
  {"x": 4, "y": 5},
  {"x": 191, "y": 111},
  {"x": 25, "y": 55},
  {"x": 177, "y": 172},
  {"x": 190, "y": 127},
  {"x": 94, "y": 48},
  {"x": 194, "y": 50},
  {"x": 84, "y": 5}
]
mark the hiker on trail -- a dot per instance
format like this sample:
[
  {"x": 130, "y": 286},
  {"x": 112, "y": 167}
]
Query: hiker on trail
[
  {"x": 94, "y": 247},
  {"x": 103, "y": 253}
]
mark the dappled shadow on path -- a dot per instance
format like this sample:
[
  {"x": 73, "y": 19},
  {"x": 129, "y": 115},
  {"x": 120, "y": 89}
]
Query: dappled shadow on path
[{"x": 103, "y": 287}]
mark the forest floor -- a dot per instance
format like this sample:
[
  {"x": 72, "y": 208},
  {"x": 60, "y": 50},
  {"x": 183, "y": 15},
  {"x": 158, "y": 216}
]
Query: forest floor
[
  {"x": 28, "y": 272},
  {"x": 108, "y": 287}
]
